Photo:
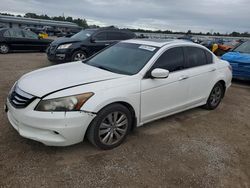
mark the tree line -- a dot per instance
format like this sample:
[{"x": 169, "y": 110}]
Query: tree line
[
  {"x": 83, "y": 23},
  {"x": 80, "y": 22},
  {"x": 189, "y": 32}
]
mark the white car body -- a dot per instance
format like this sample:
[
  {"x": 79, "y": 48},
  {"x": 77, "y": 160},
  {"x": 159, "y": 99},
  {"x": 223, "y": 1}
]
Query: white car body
[{"x": 182, "y": 90}]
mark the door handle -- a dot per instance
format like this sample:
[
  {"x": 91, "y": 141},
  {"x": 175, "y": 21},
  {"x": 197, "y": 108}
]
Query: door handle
[
  {"x": 212, "y": 69},
  {"x": 183, "y": 78},
  {"x": 106, "y": 44}
]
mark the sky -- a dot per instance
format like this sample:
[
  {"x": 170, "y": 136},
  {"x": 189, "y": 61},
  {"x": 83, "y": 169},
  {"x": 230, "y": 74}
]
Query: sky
[{"x": 222, "y": 16}]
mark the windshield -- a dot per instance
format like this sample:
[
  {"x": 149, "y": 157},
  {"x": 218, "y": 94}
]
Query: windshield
[
  {"x": 123, "y": 58},
  {"x": 82, "y": 35},
  {"x": 243, "y": 48}
]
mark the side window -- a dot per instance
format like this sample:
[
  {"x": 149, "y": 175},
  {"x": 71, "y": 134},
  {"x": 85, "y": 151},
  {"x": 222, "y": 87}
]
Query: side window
[
  {"x": 125, "y": 36},
  {"x": 172, "y": 60},
  {"x": 195, "y": 57},
  {"x": 209, "y": 57},
  {"x": 6, "y": 34},
  {"x": 16, "y": 33},
  {"x": 114, "y": 36},
  {"x": 30, "y": 35},
  {"x": 102, "y": 36}
]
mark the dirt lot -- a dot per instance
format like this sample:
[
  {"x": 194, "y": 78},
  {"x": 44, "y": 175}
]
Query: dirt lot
[{"x": 197, "y": 148}]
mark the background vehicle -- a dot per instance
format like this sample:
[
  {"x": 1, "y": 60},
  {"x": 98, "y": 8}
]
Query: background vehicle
[
  {"x": 186, "y": 37},
  {"x": 225, "y": 47},
  {"x": 239, "y": 59},
  {"x": 43, "y": 35},
  {"x": 35, "y": 30},
  {"x": 105, "y": 96},
  {"x": 220, "y": 46},
  {"x": 210, "y": 42},
  {"x": 85, "y": 43},
  {"x": 19, "y": 39}
]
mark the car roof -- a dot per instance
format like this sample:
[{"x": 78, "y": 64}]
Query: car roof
[
  {"x": 157, "y": 42},
  {"x": 108, "y": 29}
]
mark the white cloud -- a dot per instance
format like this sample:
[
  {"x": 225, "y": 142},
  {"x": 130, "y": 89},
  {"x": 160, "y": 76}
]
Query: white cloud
[{"x": 180, "y": 15}]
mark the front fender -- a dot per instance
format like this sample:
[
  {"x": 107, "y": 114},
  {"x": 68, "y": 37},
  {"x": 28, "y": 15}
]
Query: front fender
[{"x": 101, "y": 99}]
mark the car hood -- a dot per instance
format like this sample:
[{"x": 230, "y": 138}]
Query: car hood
[
  {"x": 236, "y": 57},
  {"x": 48, "y": 80},
  {"x": 64, "y": 40},
  {"x": 47, "y": 40}
]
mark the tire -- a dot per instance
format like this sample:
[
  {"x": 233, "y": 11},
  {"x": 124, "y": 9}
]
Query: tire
[
  {"x": 215, "y": 97},
  {"x": 105, "y": 134},
  {"x": 4, "y": 48},
  {"x": 79, "y": 55}
]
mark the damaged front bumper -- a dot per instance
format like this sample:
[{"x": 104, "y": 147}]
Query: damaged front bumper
[{"x": 50, "y": 128}]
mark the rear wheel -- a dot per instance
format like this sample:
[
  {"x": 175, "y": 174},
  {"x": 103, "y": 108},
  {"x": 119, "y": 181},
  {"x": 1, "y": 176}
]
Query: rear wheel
[
  {"x": 111, "y": 126},
  {"x": 215, "y": 97},
  {"x": 79, "y": 56},
  {"x": 4, "y": 48}
]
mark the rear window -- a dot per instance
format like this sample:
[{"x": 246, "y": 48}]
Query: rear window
[
  {"x": 30, "y": 35},
  {"x": 102, "y": 36},
  {"x": 195, "y": 57},
  {"x": 209, "y": 57},
  {"x": 114, "y": 36},
  {"x": 125, "y": 36}
]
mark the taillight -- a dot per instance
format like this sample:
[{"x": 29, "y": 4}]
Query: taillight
[{"x": 230, "y": 68}]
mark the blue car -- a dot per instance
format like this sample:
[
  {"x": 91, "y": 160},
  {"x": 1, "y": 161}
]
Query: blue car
[{"x": 239, "y": 59}]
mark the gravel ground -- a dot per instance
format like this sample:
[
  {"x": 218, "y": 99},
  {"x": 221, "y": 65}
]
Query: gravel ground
[{"x": 197, "y": 148}]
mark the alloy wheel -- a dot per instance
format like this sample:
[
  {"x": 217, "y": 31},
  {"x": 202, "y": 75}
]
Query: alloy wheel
[
  {"x": 215, "y": 96},
  {"x": 4, "y": 48},
  {"x": 113, "y": 128},
  {"x": 79, "y": 56}
]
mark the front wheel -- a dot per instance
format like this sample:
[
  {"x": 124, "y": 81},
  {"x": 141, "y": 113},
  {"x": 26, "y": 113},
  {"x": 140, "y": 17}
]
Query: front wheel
[
  {"x": 79, "y": 56},
  {"x": 215, "y": 97},
  {"x": 4, "y": 48},
  {"x": 111, "y": 126}
]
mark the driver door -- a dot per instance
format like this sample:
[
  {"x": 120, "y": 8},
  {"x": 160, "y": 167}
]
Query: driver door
[
  {"x": 32, "y": 41},
  {"x": 16, "y": 39},
  {"x": 99, "y": 42},
  {"x": 160, "y": 97}
]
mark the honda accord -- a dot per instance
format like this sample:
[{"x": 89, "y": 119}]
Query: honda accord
[{"x": 124, "y": 86}]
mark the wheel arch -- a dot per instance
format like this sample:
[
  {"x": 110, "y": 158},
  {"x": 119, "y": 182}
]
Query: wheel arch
[
  {"x": 132, "y": 110},
  {"x": 128, "y": 105},
  {"x": 3, "y": 42},
  {"x": 80, "y": 48},
  {"x": 223, "y": 83}
]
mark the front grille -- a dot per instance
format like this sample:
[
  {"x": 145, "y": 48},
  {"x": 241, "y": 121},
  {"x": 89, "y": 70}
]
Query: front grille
[{"x": 19, "y": 98}]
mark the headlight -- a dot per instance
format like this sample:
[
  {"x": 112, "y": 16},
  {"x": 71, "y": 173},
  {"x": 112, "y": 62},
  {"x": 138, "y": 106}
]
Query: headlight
[
  {"x": 70, "y": 103},
  {"x": 64, "y": 46}
]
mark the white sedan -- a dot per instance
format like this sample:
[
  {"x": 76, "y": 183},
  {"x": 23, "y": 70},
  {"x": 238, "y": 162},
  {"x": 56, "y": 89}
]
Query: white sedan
[{"x": 125, "y": 86}]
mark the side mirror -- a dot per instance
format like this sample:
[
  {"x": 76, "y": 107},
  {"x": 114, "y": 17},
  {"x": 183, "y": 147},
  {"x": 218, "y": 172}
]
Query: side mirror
[{"x": 159, "y": 73}]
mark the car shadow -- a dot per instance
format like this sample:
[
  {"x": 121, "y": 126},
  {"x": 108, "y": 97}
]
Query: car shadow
[{"x": 25, "y": 51}]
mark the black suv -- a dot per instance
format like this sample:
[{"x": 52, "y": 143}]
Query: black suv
[{"x": 85, "y": 43}]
